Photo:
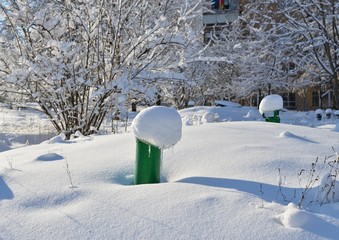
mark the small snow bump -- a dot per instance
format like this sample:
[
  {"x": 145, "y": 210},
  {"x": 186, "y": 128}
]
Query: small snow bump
[
  {"x": 210, "y": 117},
  {"x": 286, "y": 134},
  {"x": 57, "y": 139},
  {"x": 294, "y": 217},
  {"x": 253, "y": 115}
]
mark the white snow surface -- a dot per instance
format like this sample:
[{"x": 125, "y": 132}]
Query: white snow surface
[
  {"x": 271, "y": 103},
  {"x": 234, "y": 178},
  {"x": 159, "y": 126}
]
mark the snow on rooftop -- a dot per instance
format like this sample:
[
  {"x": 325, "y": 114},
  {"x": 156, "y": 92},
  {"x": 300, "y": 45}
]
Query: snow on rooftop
[
  {"x": 271, "y": 103},
  {"x": 159, "y": 126}
]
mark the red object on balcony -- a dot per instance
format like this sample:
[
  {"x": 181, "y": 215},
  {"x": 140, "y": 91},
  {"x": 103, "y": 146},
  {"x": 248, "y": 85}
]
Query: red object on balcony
[{"x": 221, "y": 4}]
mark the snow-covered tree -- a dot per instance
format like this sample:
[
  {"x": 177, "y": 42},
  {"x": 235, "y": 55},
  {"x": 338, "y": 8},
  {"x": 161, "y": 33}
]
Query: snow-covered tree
[
  {"x": 247, "y": 60},
  {"x": 281, "y": 45},
  {"x": 308, "y": 38},
  {"x": 79, "y": 59}
]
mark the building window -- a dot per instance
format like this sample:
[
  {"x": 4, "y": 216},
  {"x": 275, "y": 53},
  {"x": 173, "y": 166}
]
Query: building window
[
  {"x": 315, "y": 99},
  {"x": 221, "y": 4},
  {"x": 327, "y": 99},
  {"x": 289, "y": 100}
]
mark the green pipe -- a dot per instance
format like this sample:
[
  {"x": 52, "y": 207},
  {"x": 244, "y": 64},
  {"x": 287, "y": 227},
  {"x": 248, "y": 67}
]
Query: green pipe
[
  {"x": 148, "y": 163},
  {"x": 275, "y": 117}
]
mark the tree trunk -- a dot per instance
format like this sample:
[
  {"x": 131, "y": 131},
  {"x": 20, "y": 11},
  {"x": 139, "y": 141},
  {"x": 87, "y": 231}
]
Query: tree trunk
[{"x": 335, "y": 91}]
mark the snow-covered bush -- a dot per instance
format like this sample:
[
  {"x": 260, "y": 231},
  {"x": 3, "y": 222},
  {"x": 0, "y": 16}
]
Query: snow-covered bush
[{"x": 80, "y": 59}]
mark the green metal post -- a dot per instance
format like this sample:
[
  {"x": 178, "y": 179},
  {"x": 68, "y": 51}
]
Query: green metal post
[
  {"x": 275, "y": 117},
  {"x": 148, "y": 163}
]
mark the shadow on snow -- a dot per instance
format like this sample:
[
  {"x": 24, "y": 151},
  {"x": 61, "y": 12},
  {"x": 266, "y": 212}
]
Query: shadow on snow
[
  {"x": 310, "y": 222},
  {"x": 5, "y": 191},
  {"x": 264, "y": 191}
]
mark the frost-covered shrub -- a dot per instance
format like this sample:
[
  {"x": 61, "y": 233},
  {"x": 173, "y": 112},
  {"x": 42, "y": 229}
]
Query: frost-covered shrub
[
  {"x": 81, "y": 60},
  {"x": 329, "y": 189},
  {"x": 320, "y": 183}
]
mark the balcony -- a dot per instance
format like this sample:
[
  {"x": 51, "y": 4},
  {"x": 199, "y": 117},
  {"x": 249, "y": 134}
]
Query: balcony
[
  {"x": 221, "y": 11},
  {"x": 220, "y": 17}
]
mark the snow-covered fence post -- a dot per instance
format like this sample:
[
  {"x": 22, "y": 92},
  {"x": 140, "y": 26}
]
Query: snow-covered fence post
[
  {"x": 336, "y": 114},
  {"x": 155, "y": 128},
  {"x": 328, "y": 113},
  {"x": 271, "y": 103},
  {"x": 319, "y": 114}
]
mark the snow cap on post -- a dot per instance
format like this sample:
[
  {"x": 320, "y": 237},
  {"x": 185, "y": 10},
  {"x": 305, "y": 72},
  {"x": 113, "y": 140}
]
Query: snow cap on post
[
  {"x": 319, "y": 111},
  {"x": 271, "y": 103},
  {"x": 159, "y": 126}
]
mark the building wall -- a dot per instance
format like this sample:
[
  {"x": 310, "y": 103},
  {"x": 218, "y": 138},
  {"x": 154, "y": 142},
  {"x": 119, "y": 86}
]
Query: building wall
[
  {"x": 221, "y": 13},
  {"x": 313, "y": 98}
]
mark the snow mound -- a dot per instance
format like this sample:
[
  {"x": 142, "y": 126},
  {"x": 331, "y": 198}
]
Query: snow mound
[
  {"x": 159, "y": 126},
  {"x": 187, "y": 121},
  {"x": 296, "y": 218},
  {"x": 61, "y": 138},
  {"x": 293, "y": 217},
  {"x": 206, "y": 114},
  {"x": 271, "y": 103},
  {"x": 78, "y": 137},
  {"x": 287, "y": 134},
  {"x": 210, "y": 117},
  {"x": 253, "y": 115}
]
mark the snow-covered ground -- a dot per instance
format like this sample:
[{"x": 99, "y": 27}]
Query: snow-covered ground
[
  {"x": 23, "y": 126},
  {"x": 231, "y": 176}
]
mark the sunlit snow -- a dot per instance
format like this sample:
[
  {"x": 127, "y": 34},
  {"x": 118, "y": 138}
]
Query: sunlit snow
[
  {"x": 159, "y": 126},
  {"x": 237, "y": 177},
  {"x": 271, "y": 103}
]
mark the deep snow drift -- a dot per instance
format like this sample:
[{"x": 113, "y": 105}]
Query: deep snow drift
[{"x": 229, "y": 177}]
